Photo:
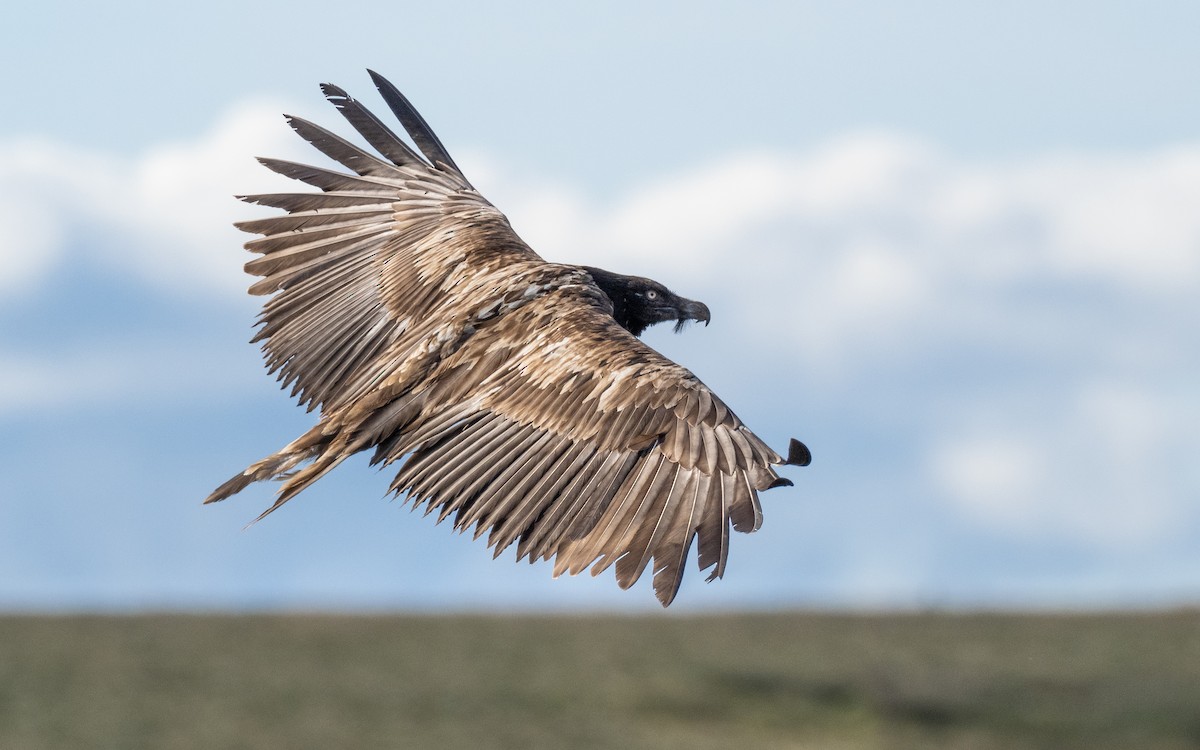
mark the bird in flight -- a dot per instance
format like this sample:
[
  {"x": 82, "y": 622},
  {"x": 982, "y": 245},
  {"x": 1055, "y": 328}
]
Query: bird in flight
[{"x": 513, "y": 394}]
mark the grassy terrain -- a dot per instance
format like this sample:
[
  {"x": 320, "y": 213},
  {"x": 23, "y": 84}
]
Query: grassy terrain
[{"x": 739, "y": 681}]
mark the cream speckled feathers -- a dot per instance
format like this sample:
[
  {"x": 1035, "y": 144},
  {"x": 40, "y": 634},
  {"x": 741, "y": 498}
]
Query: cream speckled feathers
[{"x": 410, "y": 314}]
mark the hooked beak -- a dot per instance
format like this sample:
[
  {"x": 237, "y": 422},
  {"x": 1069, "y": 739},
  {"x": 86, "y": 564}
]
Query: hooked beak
[{"x": 691, "y": 310}]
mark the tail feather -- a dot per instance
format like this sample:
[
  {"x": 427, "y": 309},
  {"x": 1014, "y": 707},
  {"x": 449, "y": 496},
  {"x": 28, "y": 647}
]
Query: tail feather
[
  {"x": 297, "y": 481},
  {"x": 277, "y": 466},
  {"x": 326, "y": 445}
]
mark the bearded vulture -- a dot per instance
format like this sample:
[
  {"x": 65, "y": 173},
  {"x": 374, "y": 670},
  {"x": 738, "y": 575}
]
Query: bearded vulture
[{"x": 512, "y": 393}]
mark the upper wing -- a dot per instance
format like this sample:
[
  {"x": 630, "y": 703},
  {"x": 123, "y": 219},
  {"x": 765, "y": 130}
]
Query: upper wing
[
  {"x": 376, "y": 260},
  {"x": 555, "y": 428}
]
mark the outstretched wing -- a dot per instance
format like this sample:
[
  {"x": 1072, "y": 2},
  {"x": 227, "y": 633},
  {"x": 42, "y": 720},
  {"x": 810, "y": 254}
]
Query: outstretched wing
[
  {"x": 376, "y": 260},
  {"x": 556, "y": 429}
]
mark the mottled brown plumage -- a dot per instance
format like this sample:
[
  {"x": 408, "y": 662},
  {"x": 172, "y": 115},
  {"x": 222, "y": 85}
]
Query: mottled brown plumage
[{"x": 511, "y": 392}]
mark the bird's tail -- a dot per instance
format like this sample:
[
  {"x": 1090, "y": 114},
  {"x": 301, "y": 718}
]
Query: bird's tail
[{"x": 282, "y": 465}]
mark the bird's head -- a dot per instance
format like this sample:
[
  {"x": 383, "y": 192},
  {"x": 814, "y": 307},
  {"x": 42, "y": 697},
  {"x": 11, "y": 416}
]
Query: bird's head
[{"x": 639, "y": 303}]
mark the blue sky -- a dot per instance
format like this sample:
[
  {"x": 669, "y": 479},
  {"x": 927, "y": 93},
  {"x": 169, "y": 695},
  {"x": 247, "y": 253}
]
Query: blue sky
[{"x": 954, "y": 248}]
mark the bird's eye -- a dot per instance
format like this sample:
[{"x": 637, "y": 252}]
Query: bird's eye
[{"x": 651, "y": 294}]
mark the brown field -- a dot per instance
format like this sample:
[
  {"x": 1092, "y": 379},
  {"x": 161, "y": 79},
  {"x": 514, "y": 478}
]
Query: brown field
[{"x": 800, "y": 680}]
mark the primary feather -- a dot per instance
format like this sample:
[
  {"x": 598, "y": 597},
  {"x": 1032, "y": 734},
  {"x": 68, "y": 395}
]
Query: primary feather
[{"x": 512, "y": 393}]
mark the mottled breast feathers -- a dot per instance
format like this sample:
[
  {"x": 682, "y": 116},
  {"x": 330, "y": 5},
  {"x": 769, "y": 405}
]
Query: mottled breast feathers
[{"x": 406, "y": 309}]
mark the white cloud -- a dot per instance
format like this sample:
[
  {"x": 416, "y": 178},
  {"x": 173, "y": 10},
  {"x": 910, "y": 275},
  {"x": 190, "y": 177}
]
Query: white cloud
[
  {"x": 30, "y": 244},
  {"x": 996, "y": 476},
  {"x": 1128, "y": 221},
  {"x": 163, "y": 216},
  {"x": 1106, "y": 465},
  {"x": 699, "y": 212}
]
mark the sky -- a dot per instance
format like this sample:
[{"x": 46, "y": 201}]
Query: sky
[{"x": 954, "y": 248}]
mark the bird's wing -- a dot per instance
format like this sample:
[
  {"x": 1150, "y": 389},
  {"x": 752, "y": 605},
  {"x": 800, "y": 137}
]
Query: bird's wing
[
  {"x": 375, "y": 261},
  {"x": 555, "y": 428},
  {"x": 408, "y": 310}
]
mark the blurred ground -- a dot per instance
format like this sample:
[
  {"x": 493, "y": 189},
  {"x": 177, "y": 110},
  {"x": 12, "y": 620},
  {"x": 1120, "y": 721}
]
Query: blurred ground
[{"x": 742, "y": 681}]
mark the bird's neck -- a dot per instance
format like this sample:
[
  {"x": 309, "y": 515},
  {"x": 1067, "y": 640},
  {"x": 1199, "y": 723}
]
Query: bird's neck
[{"x": 616, "y": 288}]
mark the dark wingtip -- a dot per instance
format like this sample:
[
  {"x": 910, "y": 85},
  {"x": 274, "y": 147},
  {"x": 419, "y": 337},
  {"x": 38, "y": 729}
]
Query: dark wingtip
[
  {"x": 417, "y": 128},
  {"x": 798, "y": 454},
  {"x": 333, "y": 93}
]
